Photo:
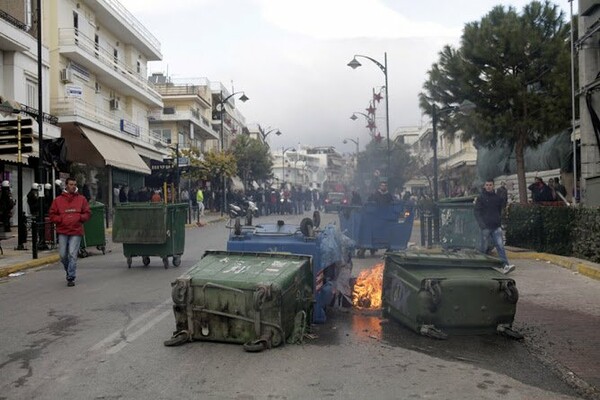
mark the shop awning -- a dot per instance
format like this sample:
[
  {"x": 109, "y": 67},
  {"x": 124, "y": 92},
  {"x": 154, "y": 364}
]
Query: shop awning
[
  {"x": 87, "y": 146},
  {"x": 148, "y": 153}
]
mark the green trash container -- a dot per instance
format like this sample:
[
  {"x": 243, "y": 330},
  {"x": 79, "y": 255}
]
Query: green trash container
[
  {"x": 151, "y": 229},
  {"x": 458, "y": 226},
  {"x": 94, "y": 230},
  {"x": 261, "y": 300},
  {"x": 436, "y": 293}
]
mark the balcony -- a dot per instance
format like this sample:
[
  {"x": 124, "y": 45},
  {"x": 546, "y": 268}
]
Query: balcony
[
  {"x": 75, "y": 110},
  {"x": 114, "y": 73},
  {"x": 116, "y": 18},
  {"x": 13, "y": 35},
  {"x": 202, "y": 126}
]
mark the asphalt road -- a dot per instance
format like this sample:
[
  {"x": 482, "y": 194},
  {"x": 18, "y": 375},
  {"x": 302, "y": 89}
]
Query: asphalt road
[{"x": 103, "y": 339}]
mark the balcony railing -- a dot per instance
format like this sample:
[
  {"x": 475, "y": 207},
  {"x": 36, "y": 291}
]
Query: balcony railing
[
  {"x": 132, "y": 21},
  {"x": 73, "y": 37},
  {"x": 77, "y": 108},
  {"x": 51, "y": 119},
  {"x": 13, "y": 21}
]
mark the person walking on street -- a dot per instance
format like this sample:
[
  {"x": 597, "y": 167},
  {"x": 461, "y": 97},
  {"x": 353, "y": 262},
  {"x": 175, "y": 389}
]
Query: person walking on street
[
  {"x": 6, "y": 205},
  {"x": 200, "y": 201},
  {"x": 69, "y": 211},
  {"x": 488, "y": 212},
  {"x": 503, "y": 193}
]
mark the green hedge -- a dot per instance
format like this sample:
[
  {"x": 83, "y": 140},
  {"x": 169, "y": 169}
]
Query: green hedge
[
  {"x": 564, "y": 231},
  {"x": 586, "y": 234}
]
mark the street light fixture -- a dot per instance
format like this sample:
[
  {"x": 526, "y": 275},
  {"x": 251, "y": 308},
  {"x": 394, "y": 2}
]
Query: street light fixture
[
  {"x": 356, "y": 142},
  {"x": 266, "y": 132},
  {"x": 283, "y": 151},
  {"x": 221, "y": 110},
  {"x": 369, "y": 118},
  {"x": 355, "y": 64},
  {"x": 464, "y": 106}
]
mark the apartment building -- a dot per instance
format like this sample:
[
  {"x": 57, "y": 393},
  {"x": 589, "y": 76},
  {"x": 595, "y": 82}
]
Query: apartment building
[
  {"x": 588, "y": 92},
  {"x": 185, "y": 119},
  {"x": 100, "y": 93},
  {"x": 457, "y": 162},
  {"x": 19, "y": 86},
  {"x": 226, "y": 118}
]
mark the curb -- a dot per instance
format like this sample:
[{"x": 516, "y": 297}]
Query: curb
[
  {"x": 49, "y": 259},
  {"x": 584, "y": 268},
  {"x": 4, "y": 272}
]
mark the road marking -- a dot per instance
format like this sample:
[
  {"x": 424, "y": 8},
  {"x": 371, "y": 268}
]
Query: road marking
[{"x": 117, "y": 340}]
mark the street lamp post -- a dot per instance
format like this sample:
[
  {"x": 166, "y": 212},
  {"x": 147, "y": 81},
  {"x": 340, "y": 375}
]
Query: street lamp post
[
  {"x": 357, "y": 147},
  {"x": 221, "y": 104},
  {"x": 355, "y": 64},
  {"x": 283, "y": 151},
  {"x": 266, "y": 132}
]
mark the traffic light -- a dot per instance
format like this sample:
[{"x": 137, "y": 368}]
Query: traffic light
[{"x": 16, "y": 136}]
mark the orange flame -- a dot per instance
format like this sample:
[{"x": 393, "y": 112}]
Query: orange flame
[{"x": 367, "y": 289}]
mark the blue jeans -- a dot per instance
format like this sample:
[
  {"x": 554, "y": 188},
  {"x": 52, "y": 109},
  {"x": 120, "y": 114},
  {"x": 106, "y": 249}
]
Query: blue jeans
[
  {"x": 497, "y": 240},
  {"x": 68, "y": 247}
]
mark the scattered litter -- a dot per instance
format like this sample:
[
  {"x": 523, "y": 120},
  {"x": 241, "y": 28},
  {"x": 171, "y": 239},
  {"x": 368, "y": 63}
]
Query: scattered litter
[
  {"x": 547, "y": 262},
  {"x": 16, "y": 274},
  {"x": 310, "y": 336},
  {"x": 373, "y": 337}
]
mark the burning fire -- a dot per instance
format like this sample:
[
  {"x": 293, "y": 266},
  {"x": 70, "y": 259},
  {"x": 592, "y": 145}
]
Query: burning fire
[{"x": 367, "y": 289}]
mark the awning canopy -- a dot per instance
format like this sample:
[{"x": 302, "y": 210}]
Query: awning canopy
[
  {"x": 87, "y": 146},
  {"x": 148, "y": 153}
]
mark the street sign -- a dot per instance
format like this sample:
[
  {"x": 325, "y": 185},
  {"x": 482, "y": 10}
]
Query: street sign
[{"x": 158, "y": 166}]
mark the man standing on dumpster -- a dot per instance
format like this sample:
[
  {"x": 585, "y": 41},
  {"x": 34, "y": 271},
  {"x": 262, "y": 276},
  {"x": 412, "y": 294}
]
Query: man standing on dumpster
[
  {"x": 488, "y": 212},
  {"x": 69, "y": 211},
  {"x": 382, "y": 196}
]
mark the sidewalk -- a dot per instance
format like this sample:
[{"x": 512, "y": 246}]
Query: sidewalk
[{"x": 13, "y": 261}]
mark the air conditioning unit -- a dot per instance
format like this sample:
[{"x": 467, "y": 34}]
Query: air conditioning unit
[
  {"x": 66, "y": 75},
  {"x": 114, "y": 104}
]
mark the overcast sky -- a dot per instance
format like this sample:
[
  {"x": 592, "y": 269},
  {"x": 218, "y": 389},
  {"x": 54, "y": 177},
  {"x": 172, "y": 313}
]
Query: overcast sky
[{"x": 290, "y": 56}]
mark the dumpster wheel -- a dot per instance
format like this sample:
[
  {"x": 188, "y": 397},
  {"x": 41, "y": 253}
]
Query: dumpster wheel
[
  {"x": 432, "y": 332},
  {"x": 360, "y": 253},
  {"x": 177, "y": 260},
  {"x": 146, "y": 260},
  {"x": 128, "y": 261},
  {"x": 316, "y": 218},
  {"x": 83, "y": 253},
  {"x": 508, "y": 331},
  {"x": 165, "y": 262},
  {"x": 178, "y": 339},
  {"x": 102, "y": 249}
]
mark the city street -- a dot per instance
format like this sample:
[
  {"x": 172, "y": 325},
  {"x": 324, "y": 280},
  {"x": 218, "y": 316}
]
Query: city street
[{"x": 103, "y": 339}]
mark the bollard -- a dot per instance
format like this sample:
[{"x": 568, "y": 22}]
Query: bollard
[
  {"x": 429, "y": 229},
  {"x": 422, "y": 228}
]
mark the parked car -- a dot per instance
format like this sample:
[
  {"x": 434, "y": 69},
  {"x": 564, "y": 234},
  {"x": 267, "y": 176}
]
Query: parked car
[{"x": 334, "y": 200}]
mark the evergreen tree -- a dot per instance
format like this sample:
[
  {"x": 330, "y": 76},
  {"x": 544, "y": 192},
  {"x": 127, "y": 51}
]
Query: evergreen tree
[{"x": 515, "y": 68}]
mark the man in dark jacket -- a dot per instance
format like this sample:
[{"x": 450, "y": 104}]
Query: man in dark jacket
[
  {"x": 488, "y": 212},
  {"x": 540, "y": 191},
  {"x": 382, "y": 195},
  {"x": 69, "y": 211}
]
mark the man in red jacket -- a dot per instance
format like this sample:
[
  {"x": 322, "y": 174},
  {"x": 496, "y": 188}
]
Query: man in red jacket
[{"x": 69, "y": 211}]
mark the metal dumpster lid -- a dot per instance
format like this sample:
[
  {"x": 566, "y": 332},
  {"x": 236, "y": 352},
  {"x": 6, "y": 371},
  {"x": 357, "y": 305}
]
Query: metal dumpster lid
[
  {"x": 441, "y": 258},
  {"x": 247, "y": 269}
]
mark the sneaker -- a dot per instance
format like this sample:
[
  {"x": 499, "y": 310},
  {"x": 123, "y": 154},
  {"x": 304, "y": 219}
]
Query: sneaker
[
  {"x": 70, "y": 283},
  {"x": 508, "y": 268}
]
